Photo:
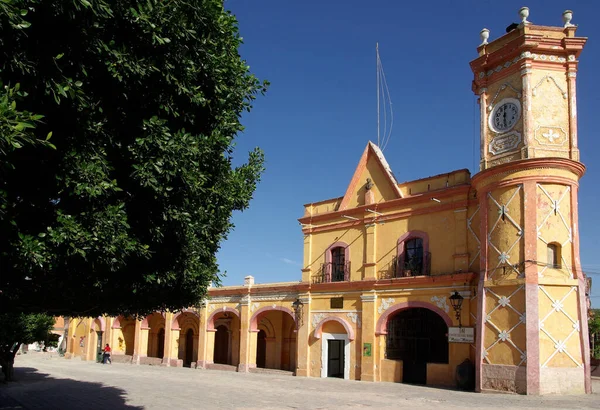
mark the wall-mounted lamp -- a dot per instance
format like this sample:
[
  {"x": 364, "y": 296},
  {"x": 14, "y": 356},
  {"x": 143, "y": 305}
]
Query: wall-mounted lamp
[
  {"x": 456, "y": 301},
  {"x": 298, "y": 312}
]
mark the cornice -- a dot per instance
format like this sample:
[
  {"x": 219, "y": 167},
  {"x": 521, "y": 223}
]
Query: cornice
[{"x": 575, "y": 167}]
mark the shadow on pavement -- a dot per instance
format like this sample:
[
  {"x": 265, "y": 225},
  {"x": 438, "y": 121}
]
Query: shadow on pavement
[{"x": 33, "y": 389}]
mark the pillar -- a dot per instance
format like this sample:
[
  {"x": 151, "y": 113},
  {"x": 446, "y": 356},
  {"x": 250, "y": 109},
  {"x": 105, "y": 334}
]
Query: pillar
[
  {"x": 202, "y": 337},
  {"x": 137, "y": 345},
  {"x": 369, "y": 363},
  {"x": 248, "y": 339},
  {"x": 168, "y": 350},
  {"x": 302, "y": 338}
]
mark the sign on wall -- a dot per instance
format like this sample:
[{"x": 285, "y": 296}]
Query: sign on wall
[
  {"x": 461, "y": 334},
  {"x": 367, "y": 349}
]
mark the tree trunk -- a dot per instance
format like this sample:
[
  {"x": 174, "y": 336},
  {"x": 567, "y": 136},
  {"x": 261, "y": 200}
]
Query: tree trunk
[{"x": 7, "y": 360}]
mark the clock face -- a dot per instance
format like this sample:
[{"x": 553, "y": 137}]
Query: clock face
[{"x": 505, "y": 115}]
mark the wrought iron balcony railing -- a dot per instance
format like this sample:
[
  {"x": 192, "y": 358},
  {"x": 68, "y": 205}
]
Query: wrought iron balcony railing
[
  {"x": 332, "y": 272},
  {"x": 399, "y": 268}
]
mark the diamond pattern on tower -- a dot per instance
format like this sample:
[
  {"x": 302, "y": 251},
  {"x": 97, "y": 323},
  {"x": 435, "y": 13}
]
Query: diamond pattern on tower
[{"x": 559, "y": 327}]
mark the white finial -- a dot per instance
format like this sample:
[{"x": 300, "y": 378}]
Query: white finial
[
  {"x": 249, "y": 280},
  {"x": 524, "y": 13},
  {"x": 484, "y": 34},
  {"x": 567, "y": 17}
]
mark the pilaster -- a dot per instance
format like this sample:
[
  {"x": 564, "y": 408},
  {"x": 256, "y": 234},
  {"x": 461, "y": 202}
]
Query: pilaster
[
  {"x": 532, "y": 317},
  {"x": 369, "y": 363},
  {"x": 370, "y": 265},
  {"x": 302, "y": 339}
]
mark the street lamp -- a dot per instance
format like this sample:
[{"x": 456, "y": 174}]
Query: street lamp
[
  {"x": 456, "y": 300},
  {"x": 298, "y": 305}
]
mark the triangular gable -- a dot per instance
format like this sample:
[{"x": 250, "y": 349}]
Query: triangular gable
[{"x": 372, "y": 165}]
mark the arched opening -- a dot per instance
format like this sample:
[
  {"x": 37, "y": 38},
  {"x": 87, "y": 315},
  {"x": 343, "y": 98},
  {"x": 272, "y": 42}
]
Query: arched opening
[
  {"x": 553, "y": 256},
  {"x": 279, "y": 345},
  {"x": 188, "y": 326},
  {"x": 123, "y": 336},
  {"x": 221, "y": 354},
  {"x": 156, "y": 334},
  {"x": 189, "y": 348},
  {"x": 416, "y": 336},
  {"x": 261, "y": 349}
]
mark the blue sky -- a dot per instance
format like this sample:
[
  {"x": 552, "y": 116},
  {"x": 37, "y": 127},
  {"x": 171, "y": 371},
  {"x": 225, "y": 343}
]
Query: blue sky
[{"x": 320, "y": 110}]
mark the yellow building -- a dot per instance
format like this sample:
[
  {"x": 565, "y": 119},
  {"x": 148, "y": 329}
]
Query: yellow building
[{"x": 385, "y": 264}]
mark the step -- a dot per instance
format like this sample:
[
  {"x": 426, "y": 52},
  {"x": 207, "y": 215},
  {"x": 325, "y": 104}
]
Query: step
[
  {"x": 261, "y": 370},
  {"x": 225, "y": 367}
]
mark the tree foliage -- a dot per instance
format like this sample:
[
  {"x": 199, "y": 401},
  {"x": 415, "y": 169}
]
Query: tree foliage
[
  {"x": 20, "y": 329},
  {"x": 124, "y": 211}
]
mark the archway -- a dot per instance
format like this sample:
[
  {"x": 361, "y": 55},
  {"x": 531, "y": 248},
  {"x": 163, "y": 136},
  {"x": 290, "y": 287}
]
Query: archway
[
  {"x": 188, "y": 325},
  {"x": 416, "y": 336},
  {"x": 123, "y": 336},
  {"x": 277, "y": 348},
  {"x": 155, "y": 323},
  {"x": 336, "y": 335}
]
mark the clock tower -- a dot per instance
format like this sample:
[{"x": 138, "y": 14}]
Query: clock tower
[
  {"x": 532, "y": 334},
  {"x": 525, "y": 81}
]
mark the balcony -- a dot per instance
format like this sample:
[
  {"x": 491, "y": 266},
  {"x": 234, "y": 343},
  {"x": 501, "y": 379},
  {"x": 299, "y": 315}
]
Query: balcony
[
  {"x": 409, "y": 268},
  {"x": 332, "y": 272}
]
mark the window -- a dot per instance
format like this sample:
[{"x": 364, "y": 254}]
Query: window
[
  {"x": 338, "y": 264},
  {"x": 413, "y": 256},
  {"x": 413, "y": 259},
  {"x": 553, "y": 260}
]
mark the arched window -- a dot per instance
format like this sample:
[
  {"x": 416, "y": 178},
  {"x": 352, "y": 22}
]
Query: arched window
[
  {"x": 338, "y": 264},
  {"x": 413, "y": 258},
  {"x": 553, "y": 258}
]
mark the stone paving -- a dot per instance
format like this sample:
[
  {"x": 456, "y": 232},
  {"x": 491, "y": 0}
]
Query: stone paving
[{"x": 49, "y": 382}]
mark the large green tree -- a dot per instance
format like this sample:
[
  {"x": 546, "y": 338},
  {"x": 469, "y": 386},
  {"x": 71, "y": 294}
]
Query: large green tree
[{"x": 118, "y": 121}]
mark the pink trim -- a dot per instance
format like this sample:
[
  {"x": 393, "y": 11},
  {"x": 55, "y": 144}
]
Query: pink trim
[
  {"x": 102, "y": 323},
  {"x": 176, "y": 317},
  {"x": 117, "y": 322},
  {"x": 381, "y": 328},
  {"x": 254, "y": 319},
  {"x": 210, "y": 323},
  {"x": 481, "y": 309},
  {"x": 319, "y": 328},
  {"x": 412, "y": 235},
  {"x": 145, "y": 321},
  {"x": 328, "y": 257},
  {"x": 532, "y": 318}
]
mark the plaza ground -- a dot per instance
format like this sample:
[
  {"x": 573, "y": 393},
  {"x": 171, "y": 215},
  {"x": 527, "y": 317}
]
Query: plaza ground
[{"x": 46, "y": 381}]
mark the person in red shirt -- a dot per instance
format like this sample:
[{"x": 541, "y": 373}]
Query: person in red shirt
[{"x": 106, "y": 355}]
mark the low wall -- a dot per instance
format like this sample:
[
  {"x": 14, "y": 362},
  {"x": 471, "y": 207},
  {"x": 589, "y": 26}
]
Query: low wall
[
  {"x": 562, "y": 380},
  {"x": 504, "y": 378},
  {"x": 439, "y": 374},
  {"x": 391, "y": 370}
]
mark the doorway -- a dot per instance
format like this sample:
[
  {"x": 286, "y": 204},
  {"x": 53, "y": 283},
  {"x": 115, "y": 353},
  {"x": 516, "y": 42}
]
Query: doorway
[
  {"x": 189, "y": 347},
  {"x": 261, "y": 349},
  {"x": 221, "y": 354},
  {"x": 99, "y": 346},
  {"x": 417, "y": 336},
  {"x": 160, "y": 351},
  {"x": 335, "y": 358}
]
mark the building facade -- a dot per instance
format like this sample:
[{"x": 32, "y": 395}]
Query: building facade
[{"x": 386, "y": 264}]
